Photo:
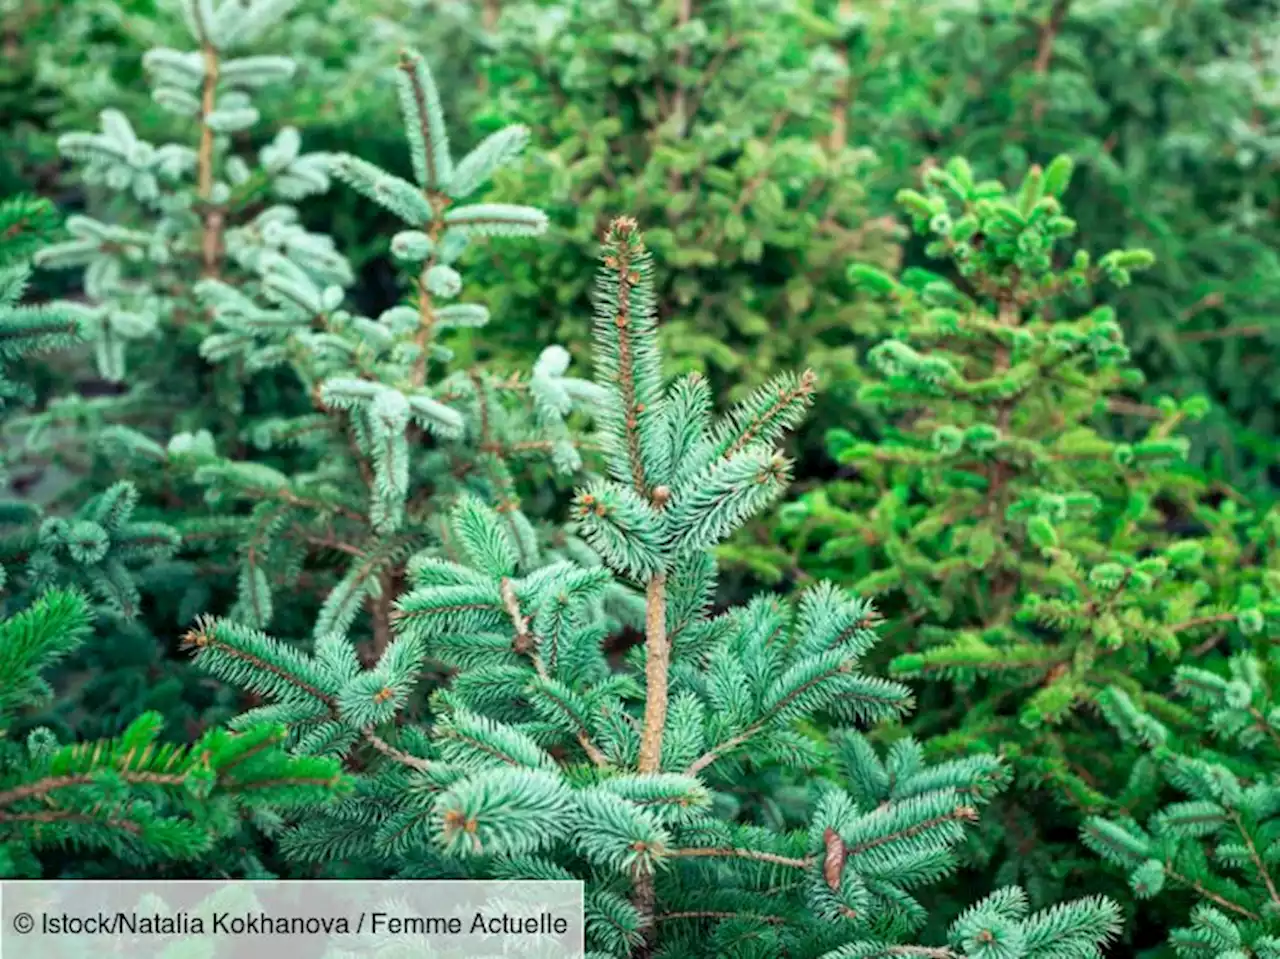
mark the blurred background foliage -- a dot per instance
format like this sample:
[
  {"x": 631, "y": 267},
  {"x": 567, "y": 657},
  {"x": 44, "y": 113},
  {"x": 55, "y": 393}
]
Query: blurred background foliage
[{"x": 761, "y": 142}]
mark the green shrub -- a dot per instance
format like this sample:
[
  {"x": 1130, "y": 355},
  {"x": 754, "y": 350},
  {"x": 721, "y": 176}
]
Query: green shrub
[{"x": 1032, "y": 557}]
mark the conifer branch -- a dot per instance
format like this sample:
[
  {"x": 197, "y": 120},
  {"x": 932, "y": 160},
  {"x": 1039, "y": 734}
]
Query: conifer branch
[
  {"x": 1211, "y": 896},
  {"x": 203, "y": 637},
  {"x": 1255, "y": 858},
  {"x": 426, "y": 307},
  {"x": 1048, "y": 33},
  {"x": 1044, "y": 51},
  {"x": 51, "y": 784},
  {"x": 391, "y": 752},
  {"x": 69, "y": 817},
  {"x": 958, "y": 814},
  {"x": 625, "y": 234},
  {"x": 1200, "y": 621},
  {"x": 731, "y": 852},
  {"x": 712, "y": 914},
  {"x": 529, "y": 645}
]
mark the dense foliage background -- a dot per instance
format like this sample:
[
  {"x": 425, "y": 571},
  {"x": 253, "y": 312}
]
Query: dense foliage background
[{"x": 1053, "y": 476}]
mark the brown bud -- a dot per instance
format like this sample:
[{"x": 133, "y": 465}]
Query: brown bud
[{"x": 833, "y": 861}]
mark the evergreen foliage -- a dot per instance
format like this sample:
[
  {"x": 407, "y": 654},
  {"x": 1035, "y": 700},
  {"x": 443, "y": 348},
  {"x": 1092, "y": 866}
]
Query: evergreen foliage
[
  {"x": 540, "y": 760},
  {"x": 184, "y": 207},
  {"x": 130, "y": 795},
  {"x": 101, "y": 544},
  {"x": 25, "y": 223},
  {"x": 1038, "y": 558},
  {"x": 165, "y": 214},
  {"x": 390, "y": 440},
  {"x": 1215, "y": 842},
  {"x": 316, "y": 559},
  {"x": 712, "y": 124},
  {"x": 181, "y": 212},
  {"x": 1170, "y": 112},
  {"x": 66, "y": 62}
]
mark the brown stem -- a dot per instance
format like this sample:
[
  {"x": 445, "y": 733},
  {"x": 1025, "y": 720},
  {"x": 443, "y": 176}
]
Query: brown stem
[
  {"x": 529, "y": 645},
  {"x": 1263, "y": 724},
  {"x": 293, "y": 500},
  {"x": 380, "y": 611},
  {"x": 1117, "y": 404},
  {"x": 1200, "y": 649},
  {"x": 732, "y": 852},
  {"x": 657, "y": 663},
  {"x": 391, "y": 752},
  {"x": 67, "y": 816},
  {"x": 202, "y": 636},
  {"x": 1044, "y": 51},
  {"x": 733, "y": 742},
  {"x": 644, "y": 898},
  {"x": 621, "y": 264},
  {"x": 330, "y": 542},
  {"x": 679, "y": 98},
  {"x": 731, "y": 44},
  {"x": 1201, "y": 621},
  {"x": 679, "y": 101},
  {"x": 1211, "y": 896},
  {"x": 1230, "y": 332},
  {"x": 840, "y": 111},
  {"x": 426, "y": 328},
  {"x": 42, "y": 787},
  {"x": 960, "y": 813},
  {"x": 711, "y": 914},
  {"x": 1257, "y": 859},
  {"x": 426, "y": 307},
  {"x": 211, "y": 234}
]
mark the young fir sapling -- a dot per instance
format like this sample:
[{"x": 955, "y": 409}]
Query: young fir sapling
[
  {"x": 1035, "y": 558},
  {"x": 392, "y": 437},
  {"x": 541, "y": 759},
  {"x": 100, "y": 546},
  {"x": 180, "y": 211},
  {"x": 159, "y": 217},
  {"x": 1174, "y": 117},
  {"x": 129, "y": 795}
]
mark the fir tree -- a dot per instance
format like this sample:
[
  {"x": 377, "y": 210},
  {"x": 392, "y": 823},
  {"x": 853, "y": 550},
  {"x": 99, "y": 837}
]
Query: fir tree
[
  {"x": 163, "y": 215},
  {"x": 67, "y": 62},
  {"x": 712, "y": 123},
  {"x": 342, "y": 439},
  {"x": 134, "y": 796},
  {"x": 184, "y": 209},
  {"x": 392, "y": 437},
  {"x": 1171, "y": 114},
  {"x": 173, "y": 214},
  {"x": 1029, "y": 550},
  {"x": 1216, "y": 844},
  {"x": 541, "y": 760},
  {"x": 131, "y": 795},
  {"x": 101, "y": 545}
]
